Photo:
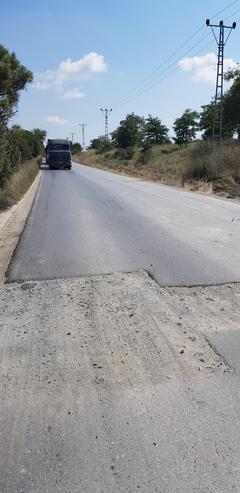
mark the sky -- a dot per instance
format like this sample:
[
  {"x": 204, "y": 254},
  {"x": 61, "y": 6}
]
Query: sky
[{"x": 156, "y": 57}]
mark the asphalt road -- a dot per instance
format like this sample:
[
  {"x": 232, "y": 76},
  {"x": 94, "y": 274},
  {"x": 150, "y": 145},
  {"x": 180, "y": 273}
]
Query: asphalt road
[
  {"x": 86, "y": 222},
  {"x": 113, "y": 383}
]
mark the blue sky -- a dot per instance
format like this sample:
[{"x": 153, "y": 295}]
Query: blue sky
[{"x": 90, "y": 54}]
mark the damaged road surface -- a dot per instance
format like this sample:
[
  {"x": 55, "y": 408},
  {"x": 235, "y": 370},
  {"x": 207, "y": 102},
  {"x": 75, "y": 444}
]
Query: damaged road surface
[
  {"x": 112, "y": 383},
  {"x": 109, "y": 380}
]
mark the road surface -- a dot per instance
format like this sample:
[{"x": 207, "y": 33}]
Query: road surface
[
  {"x": 87, "y": 222},
  {"x": 109, "y": 380}
]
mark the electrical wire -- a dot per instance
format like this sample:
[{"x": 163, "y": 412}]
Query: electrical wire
[
  {"x": 156, "y": 78},
  {"x": 161, "y": 65},
  {"x": 225, "y": 8},
  {"x": 232, "y": 15},
  {"x": 154, "y": 74},
  {"x": 177, "y": 67}
]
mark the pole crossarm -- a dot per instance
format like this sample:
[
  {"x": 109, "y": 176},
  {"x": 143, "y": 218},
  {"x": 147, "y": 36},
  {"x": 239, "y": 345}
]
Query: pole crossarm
[{"x": 223, "y": 25}]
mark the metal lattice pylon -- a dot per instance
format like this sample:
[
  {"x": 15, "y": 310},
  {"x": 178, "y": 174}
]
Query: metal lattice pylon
[
  {"x": 218, "y": 108},
  {"x": 106, "y": 113},
  {"x": 218, "y": 112},
  {"x": 83, "y": 126}
]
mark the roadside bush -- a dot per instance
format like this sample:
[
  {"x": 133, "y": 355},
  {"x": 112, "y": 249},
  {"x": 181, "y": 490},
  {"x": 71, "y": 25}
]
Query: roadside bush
[
  {"x": 18, "y": 146},
  {"x": 209, "y": 162},
  {"x": 195, "y": 171},
  {"x": 100, "y": 145},
  {"x": 124, "y": 154},
  {"x": 76, "y": 148},
  {"x": 145, "y": 156}
]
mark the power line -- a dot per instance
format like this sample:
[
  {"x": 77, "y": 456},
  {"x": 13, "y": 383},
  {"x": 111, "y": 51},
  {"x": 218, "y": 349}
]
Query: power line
[
  {"x": 232, "y": 15},
  {"x": 159, "y": 66},
  {"x": 177, "y": 67},
  {"x": 225, "y": 8},
  {"x": 157, "y": 78},
  {"x": 152, "y": 76}
]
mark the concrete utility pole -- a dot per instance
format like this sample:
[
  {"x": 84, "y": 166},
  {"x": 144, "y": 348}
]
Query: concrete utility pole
[
  {"x": 106, "y": 113},
  {"x": 72, "y": 135},
  {"x": 221, "y": 42},
  {"x": 83, "y": 126}
]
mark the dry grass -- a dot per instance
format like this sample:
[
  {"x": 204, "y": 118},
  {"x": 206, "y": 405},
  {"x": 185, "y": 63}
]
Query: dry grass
[
  {"x": 18, "y": 184},
  {"x": 198, "y": 166}
]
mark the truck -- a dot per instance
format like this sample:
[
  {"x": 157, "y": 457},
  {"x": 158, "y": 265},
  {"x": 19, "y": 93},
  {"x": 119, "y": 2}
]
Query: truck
[{"x": 58, "y": 154}]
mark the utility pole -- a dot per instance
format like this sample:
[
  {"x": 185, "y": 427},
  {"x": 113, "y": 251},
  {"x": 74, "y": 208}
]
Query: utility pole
[
  {"x": 83, "y": 126},
  {"x": 218, "y": 109},
  {"x": 106, "y": 113},
  {"x": 72, "y": 135}
]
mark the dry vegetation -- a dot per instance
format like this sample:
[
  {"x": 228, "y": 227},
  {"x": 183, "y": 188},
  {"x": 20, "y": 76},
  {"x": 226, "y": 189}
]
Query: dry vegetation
[
  {"x": 18, "y": 184},
  {"x": 198, "y": 166}
]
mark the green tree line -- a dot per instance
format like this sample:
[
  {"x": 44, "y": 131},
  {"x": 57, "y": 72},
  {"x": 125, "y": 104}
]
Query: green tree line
[
  {"x": 135, "y": 131},
  {"x": 16, "y": 144}
]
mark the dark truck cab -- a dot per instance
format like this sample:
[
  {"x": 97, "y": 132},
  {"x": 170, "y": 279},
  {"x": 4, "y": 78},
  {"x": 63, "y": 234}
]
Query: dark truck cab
[{"x": 58, "y": 154}]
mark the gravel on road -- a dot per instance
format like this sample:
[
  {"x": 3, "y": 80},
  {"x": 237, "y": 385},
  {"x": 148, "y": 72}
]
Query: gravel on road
[{"x": 111, "y": 383}]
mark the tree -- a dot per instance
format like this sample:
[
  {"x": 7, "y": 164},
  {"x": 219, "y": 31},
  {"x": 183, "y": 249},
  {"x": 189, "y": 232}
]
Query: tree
[
  {"x": 207, "y": 119},
  {"x": 130, "y": 132},
  {"x": 4, "y": 158},
  {"x": 100, "y": 144},
  {"x": 30, "y": 144},
  {"x": 232, "y": 74},
  {"x": 76, "y": 148},
  {"x": 17, "y": 146},
  {"x": 39, "y": 140},
  {"x": 40, "y": 134},
  {"x": 13, "y": 79},
  {"x": 231, "y": 110},
  {"x": 186, "y": 127},
  {"x": 155, "y": 132},
  {"x": 231, "y": 102}
]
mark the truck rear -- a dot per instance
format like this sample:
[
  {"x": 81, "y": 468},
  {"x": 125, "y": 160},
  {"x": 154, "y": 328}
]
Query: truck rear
[{"x": 58, "y": 154}]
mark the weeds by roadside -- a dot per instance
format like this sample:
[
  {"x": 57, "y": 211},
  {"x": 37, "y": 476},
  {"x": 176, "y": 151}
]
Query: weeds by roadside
[
  {"x": 197, "y": 166},
  {"x": 18, "y": 184}
]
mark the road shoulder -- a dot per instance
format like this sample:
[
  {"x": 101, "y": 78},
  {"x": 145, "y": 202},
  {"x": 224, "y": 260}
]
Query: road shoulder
[{"x": 12, "y": 223}]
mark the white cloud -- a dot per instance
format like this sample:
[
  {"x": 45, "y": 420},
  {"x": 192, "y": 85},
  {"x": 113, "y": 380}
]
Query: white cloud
[
  {"x": 203, "y": 68},
  {"x": 58, "y": 120},
  {"x": 72, "y": 94},
  {"x": 69, "y": 70}
]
